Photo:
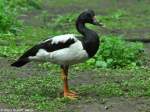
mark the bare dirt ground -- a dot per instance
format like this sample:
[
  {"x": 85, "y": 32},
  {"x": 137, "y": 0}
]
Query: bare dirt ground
[
  {"x": 103, "y": 104},
  {"x": 114, "y": 104}
]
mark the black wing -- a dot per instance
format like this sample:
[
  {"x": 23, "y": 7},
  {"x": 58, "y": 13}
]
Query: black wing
[{"x": 48, "y": 46}]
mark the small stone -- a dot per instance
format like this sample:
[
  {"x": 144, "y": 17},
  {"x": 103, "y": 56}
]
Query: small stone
[{"x": 106, "y": 107}]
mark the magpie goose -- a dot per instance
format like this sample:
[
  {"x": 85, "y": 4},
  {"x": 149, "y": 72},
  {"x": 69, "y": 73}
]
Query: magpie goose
[{"x": 67, "y": 49}]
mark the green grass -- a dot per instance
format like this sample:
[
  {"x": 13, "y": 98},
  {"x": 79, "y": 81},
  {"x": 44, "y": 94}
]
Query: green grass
[
  {"x": 43, "y": 92},
  {"x": 39, "y": 90},
  {"x": 133, "y": 83}
]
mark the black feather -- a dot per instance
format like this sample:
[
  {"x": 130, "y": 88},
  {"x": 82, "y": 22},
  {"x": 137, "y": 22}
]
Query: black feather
[
  {"x": 48, "y": 46},
  {"x": 20, "y": 62}
]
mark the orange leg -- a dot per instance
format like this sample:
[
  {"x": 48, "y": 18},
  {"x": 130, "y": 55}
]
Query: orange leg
[{"x": 67, "y": 93}]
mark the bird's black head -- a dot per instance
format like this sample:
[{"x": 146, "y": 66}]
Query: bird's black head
[{"x": 88, "y": 16}]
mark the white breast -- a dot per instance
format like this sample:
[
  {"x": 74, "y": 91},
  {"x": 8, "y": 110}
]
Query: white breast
[{"x": 72, "y": 55}]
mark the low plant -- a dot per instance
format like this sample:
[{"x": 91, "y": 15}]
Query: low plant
[
  {"x": 24, "y": 4},
  {"x": 115, "y": 52},
  {"x": 9, "y": 11},
  {"x": 38, "y": 92},
  {"x": 8, "y": 18}
]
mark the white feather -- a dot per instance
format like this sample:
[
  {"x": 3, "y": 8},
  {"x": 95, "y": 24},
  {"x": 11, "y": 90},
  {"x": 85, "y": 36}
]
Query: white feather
[
  {"x": 42, "y": 52},
  {"x": 61, "y": 38},
  {"x": 71, "y": 55},
  {"x": 40, "y": 55}
]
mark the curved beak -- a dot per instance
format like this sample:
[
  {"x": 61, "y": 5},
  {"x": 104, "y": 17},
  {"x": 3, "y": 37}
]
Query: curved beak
[{"x": 95, "y": 22}]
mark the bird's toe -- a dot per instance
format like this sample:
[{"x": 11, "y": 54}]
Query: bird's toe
[{"x": 71, "y": 95}]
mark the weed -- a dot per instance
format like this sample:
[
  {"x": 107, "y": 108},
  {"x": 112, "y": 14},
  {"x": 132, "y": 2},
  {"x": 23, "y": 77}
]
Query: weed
[
  {"x": 40, "y": 93},
  {"x": 12, "y": 51},
  {"x": 114, "y": 52},
  {"x": 24, "y": 4},
  {"x": 8, "y": 21},
  {"x": 9, "y": 11}
]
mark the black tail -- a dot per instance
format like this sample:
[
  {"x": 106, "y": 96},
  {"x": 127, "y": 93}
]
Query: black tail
[{"x": 20, "y": 62}]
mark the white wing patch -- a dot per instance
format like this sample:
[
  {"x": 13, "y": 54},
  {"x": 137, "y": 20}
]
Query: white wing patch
[
  {"x": 40, "y": 55},
  {"x": 61, "y": 38},
  {"x": 42, "y": 52}
]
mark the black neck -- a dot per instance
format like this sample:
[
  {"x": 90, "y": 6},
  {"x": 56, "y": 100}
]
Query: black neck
[
  {"x": 81, "y": 27},
  {"x": 87, "y": 33},
  {"x": 90, "y": 41}
]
